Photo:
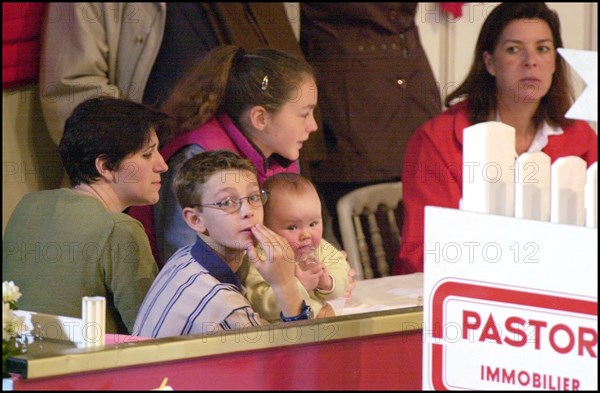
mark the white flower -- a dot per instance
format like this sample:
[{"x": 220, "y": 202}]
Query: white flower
[
  {"x": 10, "y": 292},
  {"x": 12, "y": 325}
]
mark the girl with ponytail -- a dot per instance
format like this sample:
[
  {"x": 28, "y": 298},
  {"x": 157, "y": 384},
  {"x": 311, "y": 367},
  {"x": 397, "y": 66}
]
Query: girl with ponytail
[{"x": 259, "y": 104}]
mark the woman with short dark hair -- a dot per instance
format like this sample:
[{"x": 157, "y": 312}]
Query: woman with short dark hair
[{"x": 61, "y": 245}]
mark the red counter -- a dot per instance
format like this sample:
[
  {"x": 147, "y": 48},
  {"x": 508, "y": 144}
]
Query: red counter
[{"x": 381, "y": 350}]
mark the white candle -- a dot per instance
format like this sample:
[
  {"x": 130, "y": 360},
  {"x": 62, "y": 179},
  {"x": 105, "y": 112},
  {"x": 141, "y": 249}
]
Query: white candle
[
  {"x": 591, "y": 196},
  {"x": 567, "y": 188},
  {"x": 93, "y": 314},
  {"x": 532, "y": 186},
  {"x": 488, "y": 168}
]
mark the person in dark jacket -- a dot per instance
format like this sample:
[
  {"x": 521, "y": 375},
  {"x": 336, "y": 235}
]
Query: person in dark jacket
[{"x": 376, "y": 88}]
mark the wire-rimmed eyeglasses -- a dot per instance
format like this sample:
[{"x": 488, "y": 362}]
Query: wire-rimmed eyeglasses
[{"x": 229, "y": 205}]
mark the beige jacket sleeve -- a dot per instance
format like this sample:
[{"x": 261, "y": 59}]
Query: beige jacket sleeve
[{"x": 91, "y": 49}]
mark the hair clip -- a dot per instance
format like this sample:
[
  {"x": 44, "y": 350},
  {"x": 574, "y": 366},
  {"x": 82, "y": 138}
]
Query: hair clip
[{"x": 265, "y": 83}]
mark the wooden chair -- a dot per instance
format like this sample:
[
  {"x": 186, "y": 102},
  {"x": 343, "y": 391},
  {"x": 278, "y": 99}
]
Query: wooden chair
[{"x": 366, "y": 253}]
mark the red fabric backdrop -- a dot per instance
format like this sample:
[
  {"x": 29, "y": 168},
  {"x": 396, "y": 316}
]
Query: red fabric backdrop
[{"x": 21, "y": 27}]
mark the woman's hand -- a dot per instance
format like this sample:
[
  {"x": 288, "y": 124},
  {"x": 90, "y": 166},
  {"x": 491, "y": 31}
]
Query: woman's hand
[
  {"x": 351, "y": 278},
  {"x": 351, "y": 283},
  {"x": 326, "y": 311}
]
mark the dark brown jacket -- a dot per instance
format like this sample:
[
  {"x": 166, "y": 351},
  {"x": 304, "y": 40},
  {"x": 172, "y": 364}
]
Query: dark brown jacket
[{"x": 375, "y": 86}]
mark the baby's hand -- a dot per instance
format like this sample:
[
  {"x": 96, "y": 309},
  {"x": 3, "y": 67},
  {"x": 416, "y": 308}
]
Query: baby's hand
[
  {"x": 325, "y": 281},
  {"x": 309, "y": 278}
]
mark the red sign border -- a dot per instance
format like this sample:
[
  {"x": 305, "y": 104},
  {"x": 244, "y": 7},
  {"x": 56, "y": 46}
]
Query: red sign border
[{"x": 504, "y": 295}]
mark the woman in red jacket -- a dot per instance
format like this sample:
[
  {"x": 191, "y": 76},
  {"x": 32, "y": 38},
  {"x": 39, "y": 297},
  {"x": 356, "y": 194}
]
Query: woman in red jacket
[{"x": 517, "y": 78}]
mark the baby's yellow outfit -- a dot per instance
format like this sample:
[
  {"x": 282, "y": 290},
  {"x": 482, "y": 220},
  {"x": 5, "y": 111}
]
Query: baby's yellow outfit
[{"x": 263, "y": 300}]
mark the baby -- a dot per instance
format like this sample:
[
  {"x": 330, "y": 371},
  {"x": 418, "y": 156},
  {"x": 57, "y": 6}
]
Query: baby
[{"x": 293, "y": 211}]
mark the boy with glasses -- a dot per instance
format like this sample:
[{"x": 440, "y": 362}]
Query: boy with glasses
[{"x": 198, "y": 290}]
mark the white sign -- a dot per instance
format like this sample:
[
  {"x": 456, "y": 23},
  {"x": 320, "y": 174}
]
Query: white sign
[
  {"x": 509, "y": 303},
  {"x": 585, "y": 63}
]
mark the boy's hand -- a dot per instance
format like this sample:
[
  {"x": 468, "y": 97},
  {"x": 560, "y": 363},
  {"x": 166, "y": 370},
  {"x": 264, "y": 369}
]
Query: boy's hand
[{"x": 277, "y": 268}]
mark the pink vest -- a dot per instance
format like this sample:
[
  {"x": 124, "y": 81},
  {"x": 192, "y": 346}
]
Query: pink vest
[{"x": 218, "y": 133}]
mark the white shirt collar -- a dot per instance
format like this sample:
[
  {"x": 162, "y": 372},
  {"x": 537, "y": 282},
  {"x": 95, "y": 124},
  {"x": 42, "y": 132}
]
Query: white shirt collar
[
  {"x": 540, "y": 140},
  {"x": 541, "y": 136}
]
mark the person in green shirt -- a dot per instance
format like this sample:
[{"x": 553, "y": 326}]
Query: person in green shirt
[{"x": 61, "y": 245}]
